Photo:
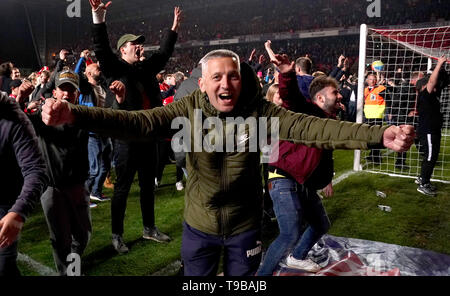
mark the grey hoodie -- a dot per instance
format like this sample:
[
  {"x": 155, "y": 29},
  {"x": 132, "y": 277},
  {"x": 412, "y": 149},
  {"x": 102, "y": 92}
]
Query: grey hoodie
[{"x": 23, "y": 173}]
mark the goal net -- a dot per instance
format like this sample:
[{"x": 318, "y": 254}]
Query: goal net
[{"x": 404, "y": 54}]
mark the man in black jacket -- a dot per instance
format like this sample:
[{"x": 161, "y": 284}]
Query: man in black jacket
[
  {"x": 142, "y": 92},
  {"x": 66, "y": 201},
  {"x": 430, "y": 123},
  {"x": 22, "y": 178}
]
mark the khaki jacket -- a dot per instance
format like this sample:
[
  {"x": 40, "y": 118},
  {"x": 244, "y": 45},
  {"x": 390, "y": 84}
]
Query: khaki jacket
[{"x": 224, "y": 189}]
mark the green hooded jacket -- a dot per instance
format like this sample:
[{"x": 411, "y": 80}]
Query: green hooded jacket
[{"x": 224, "y": 189}]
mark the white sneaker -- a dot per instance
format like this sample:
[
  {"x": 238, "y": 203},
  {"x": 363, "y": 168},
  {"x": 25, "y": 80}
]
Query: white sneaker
[
  {"x": 92, "y": 205},
  {"x": 179, "y": 185},
  {"x": 99, "y": 198},
  {"x": 307, "y": 264}
]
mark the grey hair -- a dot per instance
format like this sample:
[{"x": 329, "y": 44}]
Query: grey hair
[{"x": 219, "y": 53}]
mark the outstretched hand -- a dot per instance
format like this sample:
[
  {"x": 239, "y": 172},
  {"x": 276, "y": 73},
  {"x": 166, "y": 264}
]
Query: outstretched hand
[
  {"x": 177, "y": 18},
  {"x": 268, "y": 47},
  {"x": 328, "y": 190},
  {"x": 261, "y": 59},
  {"x": 252, "y": 54},
  {"x": 10, "y": 226},
  {"x": 56, "y": 112},
  {"x": 341, "y": 60},
  {"x": 399, "y": 138},
  {"x": 118, "y": 88},
  {"x": 442, "y": 59},
  {"x": 85, "y": 53},
  {"x": 283, "y": 63},
  {"x": 25, "y": 89},
  {"x": 99, "y": 10},
  {"x": 63, "y": 54},
  {"x": 95, "y": 4}
]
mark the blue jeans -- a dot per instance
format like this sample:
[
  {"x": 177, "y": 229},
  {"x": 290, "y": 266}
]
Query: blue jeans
[
  {"x": 293, "y": 202},
  {"x": 99, "y": 151}
]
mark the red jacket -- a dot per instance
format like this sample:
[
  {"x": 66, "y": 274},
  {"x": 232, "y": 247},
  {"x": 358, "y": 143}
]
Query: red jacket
[
  {"x": 300, "y": 161},
  {"x": 164, "y": 87}
]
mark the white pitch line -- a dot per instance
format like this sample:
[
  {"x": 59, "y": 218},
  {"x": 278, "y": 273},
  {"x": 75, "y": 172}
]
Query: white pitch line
[
  {"x": 169, "y": 269},
  {"x": 344, "y": 176},
  {"x": 38, "y": 267}
]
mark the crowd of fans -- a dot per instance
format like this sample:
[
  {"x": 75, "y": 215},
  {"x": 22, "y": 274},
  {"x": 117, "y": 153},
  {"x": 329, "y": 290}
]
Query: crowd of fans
[
  {"x": 322, "y": 51},
  {"x": 259, "y": 17}
]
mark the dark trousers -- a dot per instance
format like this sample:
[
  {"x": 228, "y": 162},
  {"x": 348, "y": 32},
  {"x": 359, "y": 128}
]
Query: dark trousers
[
  {"x": 399, "y": 120},
  {"x": 68, "y": 217},
  {"x": 375, "y": 154},
  {"x": 163, "y": 149},
  {"x": 267, "y": 201},
  {"x": 430, "y": 145},
  {"x": 201, "y": 252},
  {"x": 180, "y": 158},
  {"x": 131, "y": 158},
  {"x": 8, "y": 255}
]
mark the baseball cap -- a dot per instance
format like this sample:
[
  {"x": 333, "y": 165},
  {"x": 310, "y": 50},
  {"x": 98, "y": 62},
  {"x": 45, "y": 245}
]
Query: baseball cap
[
  {"x": 67, "y": 76},
  {"x": 129, "y": 38}
]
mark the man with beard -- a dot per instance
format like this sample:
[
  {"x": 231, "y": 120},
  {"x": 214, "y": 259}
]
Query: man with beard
[
  {"x": 93, "y": 94},
  {"x": 297, "y": 171},
  {"x": 142, "y": 92}
]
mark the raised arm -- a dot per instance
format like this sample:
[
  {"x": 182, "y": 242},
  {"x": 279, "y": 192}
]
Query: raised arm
[
  {"x": 177, "y": 18},
  {"x": 99, "y": 10},
  {"x": 432, "y": 82},
  {"x": 252, "y": 55},
  {"x": 338, "y": 71},
  {"x": 292, "y": 98},
  {"x": 127, "y": 125},
  {"x": 159, "y": 59},
  {"x": 268, "y": 47},
  {"x": 327, "y": 133},
  {"x": 110, "y": 63}
]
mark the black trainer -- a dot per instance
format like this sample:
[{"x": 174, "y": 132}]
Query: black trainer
[
  {"x": 153, "y": 233},
  {"x": 427, "y": 189},
  {"x": 118, "y": 244},
  {"x": 418, "y": 180}
]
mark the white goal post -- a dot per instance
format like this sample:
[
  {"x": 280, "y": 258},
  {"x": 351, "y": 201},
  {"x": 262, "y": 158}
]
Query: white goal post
[{"x": 404, "y": 53}]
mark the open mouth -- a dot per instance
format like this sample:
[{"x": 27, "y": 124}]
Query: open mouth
[{"x": 225, "y": 97}]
